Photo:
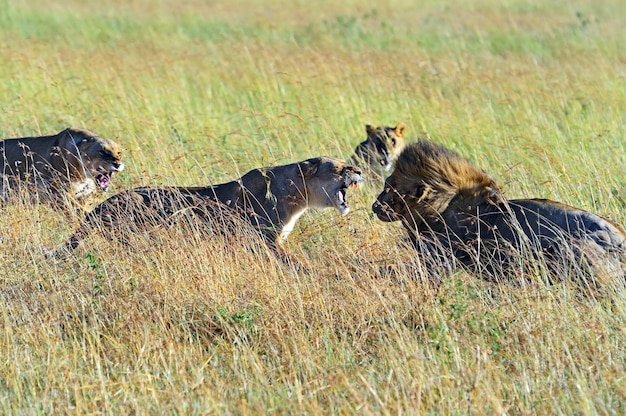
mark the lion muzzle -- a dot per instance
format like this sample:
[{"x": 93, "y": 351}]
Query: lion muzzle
[
  {"x": 351, "y": 179},
  {"x": 384, "y": 212}
]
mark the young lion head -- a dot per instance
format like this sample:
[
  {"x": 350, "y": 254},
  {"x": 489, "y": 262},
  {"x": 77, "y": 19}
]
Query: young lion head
[
  {"x": 381, "y": 147},
  {"x": 426, "y": 179}
]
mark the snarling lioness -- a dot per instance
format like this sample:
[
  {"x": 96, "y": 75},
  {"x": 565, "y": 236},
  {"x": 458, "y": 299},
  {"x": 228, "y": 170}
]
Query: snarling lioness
[
  {"x": 382, "y": 146},
  {"x": 455, "y": 212},
  {"x": 271, "y": 199},
  {"x": 66, "y": 167}
]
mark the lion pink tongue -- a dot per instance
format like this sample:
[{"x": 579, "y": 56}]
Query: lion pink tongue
[
  {"x": 104, "y": 180},
  {"x": 342, "y": 199}
]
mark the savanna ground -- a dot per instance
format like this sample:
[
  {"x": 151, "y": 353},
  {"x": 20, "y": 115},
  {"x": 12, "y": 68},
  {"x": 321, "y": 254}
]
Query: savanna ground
[{"x": 200, "y": 92}]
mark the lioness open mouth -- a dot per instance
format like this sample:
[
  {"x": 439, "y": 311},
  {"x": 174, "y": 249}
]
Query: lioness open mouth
[
  {"x": 342, "y": 194},
  {"x": 104, "y": 180},
  {"x": 105, "y": 173}
]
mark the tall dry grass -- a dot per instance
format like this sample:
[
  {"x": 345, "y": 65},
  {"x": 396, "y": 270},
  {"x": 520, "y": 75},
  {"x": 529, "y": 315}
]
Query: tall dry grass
[{"x": 201, "y": 92}]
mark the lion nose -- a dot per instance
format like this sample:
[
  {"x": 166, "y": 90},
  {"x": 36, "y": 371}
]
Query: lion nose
[{"x": 378, "y": 208}]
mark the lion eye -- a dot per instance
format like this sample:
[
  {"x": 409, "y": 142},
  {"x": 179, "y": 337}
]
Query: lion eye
[{"x": 393, "y": 142}]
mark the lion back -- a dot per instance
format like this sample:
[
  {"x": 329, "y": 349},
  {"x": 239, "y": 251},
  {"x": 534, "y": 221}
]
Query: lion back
[
  {"x": 578, "y": 223},
  {"x": 599, "y": 241},
  {"x": 21, "y": 157}
]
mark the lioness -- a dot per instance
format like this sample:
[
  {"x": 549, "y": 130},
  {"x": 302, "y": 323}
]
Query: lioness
[
  {"x": 66, "y": 167},
  {"x": 382, "y": 146},
  {"x": 271, "y": 199},
  {"x": 455, "y": 211}
]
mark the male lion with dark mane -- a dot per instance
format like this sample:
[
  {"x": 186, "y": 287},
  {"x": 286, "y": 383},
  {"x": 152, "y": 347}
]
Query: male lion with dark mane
[
  {"x": 271, "y": 199},
  {"x": 456, "y": 214},
  {"x": 66, "y": 167}
]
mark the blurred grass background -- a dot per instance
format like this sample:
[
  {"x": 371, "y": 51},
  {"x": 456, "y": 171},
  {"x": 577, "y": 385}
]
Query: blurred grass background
[{"x": 200, "y": 92}]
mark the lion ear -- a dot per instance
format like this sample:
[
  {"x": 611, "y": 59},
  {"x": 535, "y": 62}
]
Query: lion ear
[
  {"x": 66, "y": 140},
  {"x": 309, "y": 167},
  {"x": 369, "y": 129},
  {"x": 84, "y": 139},
  {"x": 77, "y": 137},
  {"x": 399, "y": 130}
]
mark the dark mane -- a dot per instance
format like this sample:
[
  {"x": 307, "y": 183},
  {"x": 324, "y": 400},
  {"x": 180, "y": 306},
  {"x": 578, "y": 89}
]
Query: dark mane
[{"x": 441, "y": 169}]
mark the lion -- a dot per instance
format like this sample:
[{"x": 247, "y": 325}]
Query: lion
[
  {"x": 270, "y": 199},
  {"x": 66, "y": 167},
  {"x": 456, "y": 215},
  {"x": 382, "y": 146}
]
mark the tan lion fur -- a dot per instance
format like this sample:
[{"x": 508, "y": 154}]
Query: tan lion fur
[
  {"x": 380, "y": 148},
  {"x": 271, "y": 199},
  {"x": 456, "y": 213},
  {"x": 67, "y": 167}
]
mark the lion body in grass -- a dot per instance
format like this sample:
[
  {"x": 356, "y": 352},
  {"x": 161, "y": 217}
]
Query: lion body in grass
[
  {"x": 68, "y": 167},
  {"x": 270, "y": 199},
  {"x": 456, "y": 215}
]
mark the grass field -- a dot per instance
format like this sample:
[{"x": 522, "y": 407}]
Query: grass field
[{"x": 200, "y": 92}]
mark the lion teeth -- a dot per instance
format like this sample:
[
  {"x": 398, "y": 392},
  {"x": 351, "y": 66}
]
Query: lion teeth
[
  {"x": 341, "y": 197},
  {"x": 104, "y": 180}
]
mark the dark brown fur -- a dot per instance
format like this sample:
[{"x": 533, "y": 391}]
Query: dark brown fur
[{"x": 456, "y": 213}]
